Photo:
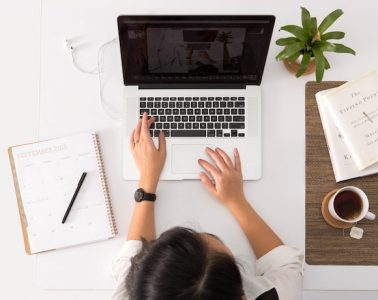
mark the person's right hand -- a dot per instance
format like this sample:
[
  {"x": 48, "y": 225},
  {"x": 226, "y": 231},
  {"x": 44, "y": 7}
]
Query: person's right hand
[{"x": 228, "y": 179}]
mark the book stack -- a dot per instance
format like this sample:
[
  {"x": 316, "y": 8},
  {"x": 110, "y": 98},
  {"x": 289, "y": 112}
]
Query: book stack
[{"x": 349, "y": 115}]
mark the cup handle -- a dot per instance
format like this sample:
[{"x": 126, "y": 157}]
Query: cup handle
[{"x": 370, "y": 216}]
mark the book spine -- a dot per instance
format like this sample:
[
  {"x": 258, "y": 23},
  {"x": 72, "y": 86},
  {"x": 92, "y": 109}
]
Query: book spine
[{"x": 104, "y": 183}]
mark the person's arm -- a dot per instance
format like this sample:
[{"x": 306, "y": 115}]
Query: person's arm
[
  {"x": 228, "y": 189},
  {"x": 150, "y": 162}
]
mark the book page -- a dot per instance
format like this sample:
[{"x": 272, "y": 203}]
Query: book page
[
  {"x": 48, "y": 173},
  {"x": 354, "y": 109}
]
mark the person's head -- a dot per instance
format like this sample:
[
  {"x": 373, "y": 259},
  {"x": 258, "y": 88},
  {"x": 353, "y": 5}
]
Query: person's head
[{"x": 184, "y": 264}]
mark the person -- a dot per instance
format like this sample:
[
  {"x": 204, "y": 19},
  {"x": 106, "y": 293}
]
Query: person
[{"x": 185, "y": 264}]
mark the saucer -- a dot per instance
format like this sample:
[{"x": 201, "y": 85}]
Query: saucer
[{"x": 327, "y": 216}]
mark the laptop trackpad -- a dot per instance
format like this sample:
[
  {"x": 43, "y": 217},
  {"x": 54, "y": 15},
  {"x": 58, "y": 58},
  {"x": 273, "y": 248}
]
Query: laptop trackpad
[{"x": 185, "y": 158}]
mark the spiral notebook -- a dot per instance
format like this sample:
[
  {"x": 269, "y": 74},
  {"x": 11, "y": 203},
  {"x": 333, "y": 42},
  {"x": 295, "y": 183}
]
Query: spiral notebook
[{"x": 45, "y": 177}]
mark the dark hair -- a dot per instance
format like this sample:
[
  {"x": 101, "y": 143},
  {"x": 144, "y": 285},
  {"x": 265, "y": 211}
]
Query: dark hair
[{"x": 179, "y": 265}]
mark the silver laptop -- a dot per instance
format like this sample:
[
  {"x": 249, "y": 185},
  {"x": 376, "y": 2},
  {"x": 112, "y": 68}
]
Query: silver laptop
[{"x": 200, "y": 77}]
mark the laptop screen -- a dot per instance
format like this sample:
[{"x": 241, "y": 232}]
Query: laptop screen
[{"x": 194, "y": 49}]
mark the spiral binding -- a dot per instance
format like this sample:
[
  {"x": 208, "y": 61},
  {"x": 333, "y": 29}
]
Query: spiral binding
[{"x": 104, "y": 184}]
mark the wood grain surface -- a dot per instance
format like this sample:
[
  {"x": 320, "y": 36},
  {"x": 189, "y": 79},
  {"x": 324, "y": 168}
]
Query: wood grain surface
[{"x": 326, "y": 245}]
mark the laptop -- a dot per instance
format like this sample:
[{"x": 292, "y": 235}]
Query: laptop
[{"x": 200, "y": 77}]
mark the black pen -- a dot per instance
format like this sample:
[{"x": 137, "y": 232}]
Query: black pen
[{"x": 74, "y": 196}]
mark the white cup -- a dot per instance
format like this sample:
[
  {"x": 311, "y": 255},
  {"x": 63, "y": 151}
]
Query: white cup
[{"x": 364, "y": 211}]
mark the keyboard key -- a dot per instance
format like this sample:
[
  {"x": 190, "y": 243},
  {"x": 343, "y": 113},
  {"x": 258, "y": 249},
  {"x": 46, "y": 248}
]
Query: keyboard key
[
  {"x": 211, "y": 133},
  {"x": 180, "y": 98},
  {"x": 234, "y": 133},
  {"x": 226, "y": 111},
  {"x": 205, "y": 111},
  {"x": 188, "y": 125},
  {"x": 176, "y": 111},
  {"x": 230, "y": 104},
  {"x": 210, "y": 125},
  {"x": 212, "y": 111},
  {"x": 239, "y": 104},
  {"x": 165, "y": 98},
  {"x": 168, "y": 111},
  {"x": 218, "y": 98},
  {"x": 160, "y": 111},
  {"x": 152, "y": 126},
  {"x": 221, "y": 118},
  {"x": 181, "y": 126},
  {"x": 219, "y": 111},
  {"x": 150, "y": 98},
  {"x": 214, "y": 118},
  {"x": 219, "y": 133},
  {"x": 142, "y": 111},
  {"x": 157, "y": 98},
  {"x": 238, "y": 118},
  {"x": 223, "y": 104},
  {"x": 228, "y": 119},
  {"x": 166, "y": 133},
  {"x": 142, "y": 98},
  {"x": 184, "y": 118},
  {"x": 199, "y": 118},
  {"x": 179, "y": 104},
  {"x": 233, "y": 98},
  {"x": 152, "y": 133},
  {"x": 174, "y": 125},
  {"x": 217, "y": 125},
  {"x": 157, "y": 104},
  {"x": 224, "y": 125},
  {"x": 192, "y": 118},
  {"x": 215, "y": 104},
  {"x": 164, "y": 105},
  {"x": 203, "y": 125},
  {"x": 189, "y": 111},
  {"x": 203, "y": 98},
  {"x": 186, "y": 104},
  {"x": 226, "y": 135},
  {"x": 195, "y": 125},
  {"x": 163, "y": 118},
  {"x": 153, "y": 111},
  {"x": 210, "y": 98},
  {"x": 188, "y": 98},
  {"x": 208, "y": 104},
  {"x": 234, "y": 111},
  {"x": 156, "y": 133},
  {"x": 241, "y": 98},
  {"x": 241, "y": 111},
  {"x": 195, "y": 98},
  {"x": 193, "y": 104},
  {"x": 159, "y": 126},
  {"x": 166, "y": 126},
  {"x": 188, "y": 133},
  {"x": 177, "y": 119},
  {"x": 150, "y": 104},
  {"x": 201, "y": 104},
  {"x": 142, "y": 104},
  {"x": 237, "y": 125},
  {"x": 241, "y": 134},
  {"x": 172, "y": 98},
  {"x": 170, "y": 118},
  {"x": 182, "y": 111},
  {"x": 172, "y": 105},
  {"x": 197, "y": 111},
  {"x": 206, "y": 118},
  {"x": 226, "y": 98}
]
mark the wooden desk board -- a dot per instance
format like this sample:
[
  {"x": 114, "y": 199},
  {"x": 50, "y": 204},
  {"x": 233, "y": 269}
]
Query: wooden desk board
[{"x": 326, "y": 245}]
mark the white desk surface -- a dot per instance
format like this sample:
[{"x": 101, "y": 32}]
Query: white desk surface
[{"x": 68, "y": 102}]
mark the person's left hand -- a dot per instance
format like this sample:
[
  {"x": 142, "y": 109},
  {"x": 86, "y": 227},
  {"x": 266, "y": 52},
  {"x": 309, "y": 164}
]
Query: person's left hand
[{"x": 149, "y": 159}]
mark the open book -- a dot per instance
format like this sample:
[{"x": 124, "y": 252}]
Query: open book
[
  {"x": 353, "y": 108},
  {"x": 45, "y": 177},
  {"x": 342, "y": 163}
]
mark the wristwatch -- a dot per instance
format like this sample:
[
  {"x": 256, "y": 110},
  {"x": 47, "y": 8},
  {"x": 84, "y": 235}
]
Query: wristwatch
[{"x": 140, "y": 195}]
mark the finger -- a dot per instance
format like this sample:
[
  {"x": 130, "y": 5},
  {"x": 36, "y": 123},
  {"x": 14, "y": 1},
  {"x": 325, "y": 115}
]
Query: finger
[
  {"x": 137, "y": 131},
  {"x": 237, "y": 160},
  {"x": 150, "y": 121},
  {"x": 214, "y": 171},
  {"x": 217, "y": 158},
  {"x": 132, "y": 145},
  {"x": 207, "y": 182},
  {"x": 162, "y": 143},
  {"x": 225, "y": 157},
  {"x": 144, "y": 132}
]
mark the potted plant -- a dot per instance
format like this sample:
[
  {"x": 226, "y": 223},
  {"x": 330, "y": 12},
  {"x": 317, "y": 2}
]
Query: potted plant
[{"x": 305, "y": 49}]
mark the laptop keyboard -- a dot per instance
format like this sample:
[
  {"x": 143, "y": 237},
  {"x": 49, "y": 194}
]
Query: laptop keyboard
[{"x": 195, "y": 116}]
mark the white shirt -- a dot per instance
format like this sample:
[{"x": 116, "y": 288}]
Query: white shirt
[{"x": 281, "y": 268}]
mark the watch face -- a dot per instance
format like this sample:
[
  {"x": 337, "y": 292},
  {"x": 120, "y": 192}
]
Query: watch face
[{"x": 138, "y": 195}]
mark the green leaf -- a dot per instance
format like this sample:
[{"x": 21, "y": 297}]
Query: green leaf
[
  {"x": 306, "y": 20},
  {"x": 326, "y": 63},
  {"x": 296, "y": 31},
  {"x": 290, "y": 50},
  {"x": 293, "y": 58},
  {"x": 337, "y": 35},
  {"x": 329, "y": 20},
  {"x": 286, "y": 41},
  {"x": 320, "y": 64},
  {"x": 304, "y": 64},
  {"x": 314, "y": 27},
  {"x": 338, "y": 48}
]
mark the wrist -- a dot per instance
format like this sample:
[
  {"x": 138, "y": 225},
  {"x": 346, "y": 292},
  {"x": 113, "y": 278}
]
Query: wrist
[
  {"x": 237, "y": 203},
  {"x": 148, "y": 186}
]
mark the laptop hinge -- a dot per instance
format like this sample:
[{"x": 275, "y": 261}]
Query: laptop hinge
[{"x": 192, "y": 86}]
